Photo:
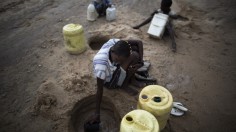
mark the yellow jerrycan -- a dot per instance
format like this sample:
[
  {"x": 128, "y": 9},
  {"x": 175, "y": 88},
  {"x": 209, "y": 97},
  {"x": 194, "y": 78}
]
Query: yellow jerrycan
[
  {"x": 74, "y": 38},
  {"x": 139, "y": 121},
  {"x": 158, "y": 101}
]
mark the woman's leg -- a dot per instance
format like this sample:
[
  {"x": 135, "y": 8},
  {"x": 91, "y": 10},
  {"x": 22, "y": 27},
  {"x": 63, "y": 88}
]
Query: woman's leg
[
  {"x": 143, "y": 23},
  {"x": 148, "y": 20},
  {"x": 100, "y": 8},
  {"x": 171, "y": 33},
  {"x": 132, "y": 60}
]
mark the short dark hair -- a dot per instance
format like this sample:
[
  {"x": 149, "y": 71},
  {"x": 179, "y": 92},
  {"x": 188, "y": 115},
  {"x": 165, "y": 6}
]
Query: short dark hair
[
  {"x": 166, "y": 3},
  {"x": 122, "y": 48}
]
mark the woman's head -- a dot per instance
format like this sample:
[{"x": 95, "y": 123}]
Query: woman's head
[
  {"x": 165, "y": 6},
  {"x": 120, "y": 51}
]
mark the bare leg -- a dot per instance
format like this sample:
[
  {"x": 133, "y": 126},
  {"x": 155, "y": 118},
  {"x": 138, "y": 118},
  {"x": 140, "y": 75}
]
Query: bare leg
[
  {"x": 143, "y": 23},
  {"x": 171, "y": 33},
  {"x": 146, "y": 21},
  {"x": 133, "y": 59},
  {"x": 101, "y": 8}
]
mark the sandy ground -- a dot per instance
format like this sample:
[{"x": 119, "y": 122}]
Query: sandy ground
[{"x": 44, "y": 89}]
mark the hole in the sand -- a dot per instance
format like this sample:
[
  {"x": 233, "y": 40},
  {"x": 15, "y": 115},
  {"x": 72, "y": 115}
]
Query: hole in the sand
[
  {"x": 128, "y": 118},
  {"x": 95, "y": 42},
  {"x": 84, "y": 109}
]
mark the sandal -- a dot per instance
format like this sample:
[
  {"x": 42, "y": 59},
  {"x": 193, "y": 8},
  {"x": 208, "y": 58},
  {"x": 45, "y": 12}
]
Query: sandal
[
  {"x": 180, "y": 106},
  {"x": 176, "y": 112}
]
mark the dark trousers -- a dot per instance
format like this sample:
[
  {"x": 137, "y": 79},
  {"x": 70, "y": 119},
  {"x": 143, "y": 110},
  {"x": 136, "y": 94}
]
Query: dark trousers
[{"x": 100, "y": 7}]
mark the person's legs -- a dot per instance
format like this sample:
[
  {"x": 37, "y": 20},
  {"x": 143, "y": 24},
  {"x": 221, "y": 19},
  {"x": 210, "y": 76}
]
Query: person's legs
[
  {"x": 132, "y": 60},
  {"x": 100, "y": 7},
  {"x": 104, "y": 8},
  {"x": 171, "y": 33},
  {"x": 148, "y": 20}
]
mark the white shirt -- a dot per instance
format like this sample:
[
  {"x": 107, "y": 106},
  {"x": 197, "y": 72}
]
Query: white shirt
[
  {"x": 171, "y": 13},
  {"x": 102, "y": 66}
]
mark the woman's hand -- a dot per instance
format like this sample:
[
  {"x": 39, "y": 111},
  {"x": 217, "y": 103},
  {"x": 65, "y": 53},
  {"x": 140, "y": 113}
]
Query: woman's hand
[{"x": 133, "y": 68}]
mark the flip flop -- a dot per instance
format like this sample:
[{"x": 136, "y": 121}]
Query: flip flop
[
  {"x": 176, "y": 112},
  {"x": 142, "y": 69},
  {"x": 144, "y": 74},
  {"x": 139, "y": 77},
  {"x": 146, "y": 64},
  {"x": 179, "y": 106}
]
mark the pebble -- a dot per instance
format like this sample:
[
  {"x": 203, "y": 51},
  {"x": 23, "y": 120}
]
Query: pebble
[
  {"x": 28, "y": 100},
  {"x": 170, "y": 86},
  {"x": 43, "y": 47},
  {"x": 3, "y": 95},
  {"x": 60, "y": 20}
]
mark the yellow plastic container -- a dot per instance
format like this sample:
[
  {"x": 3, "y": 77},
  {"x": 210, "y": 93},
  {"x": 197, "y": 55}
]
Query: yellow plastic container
[
  {"x": 74, "y": 39},
  {"x": 158, "y": 101},
  {"x": 139, "y": 121}
]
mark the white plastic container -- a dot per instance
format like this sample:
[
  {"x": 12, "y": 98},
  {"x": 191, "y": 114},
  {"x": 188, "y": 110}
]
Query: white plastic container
[
  {"x": 111, "y": 13},
  {"x": 157, "y": 26},
  {"x": 91, "y": 13}
]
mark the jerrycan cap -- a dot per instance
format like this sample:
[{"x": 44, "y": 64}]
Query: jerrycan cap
[{"x": 72, "y": 27}]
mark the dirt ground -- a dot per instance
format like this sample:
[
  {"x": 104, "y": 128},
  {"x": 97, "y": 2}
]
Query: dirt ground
[{"x": 45, "y": 89}]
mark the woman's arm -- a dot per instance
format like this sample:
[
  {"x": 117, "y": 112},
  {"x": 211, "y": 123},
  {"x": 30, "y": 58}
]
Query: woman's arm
[
  {"x": 96, "y": 117},
  {"x": 100, "y": 84}
]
